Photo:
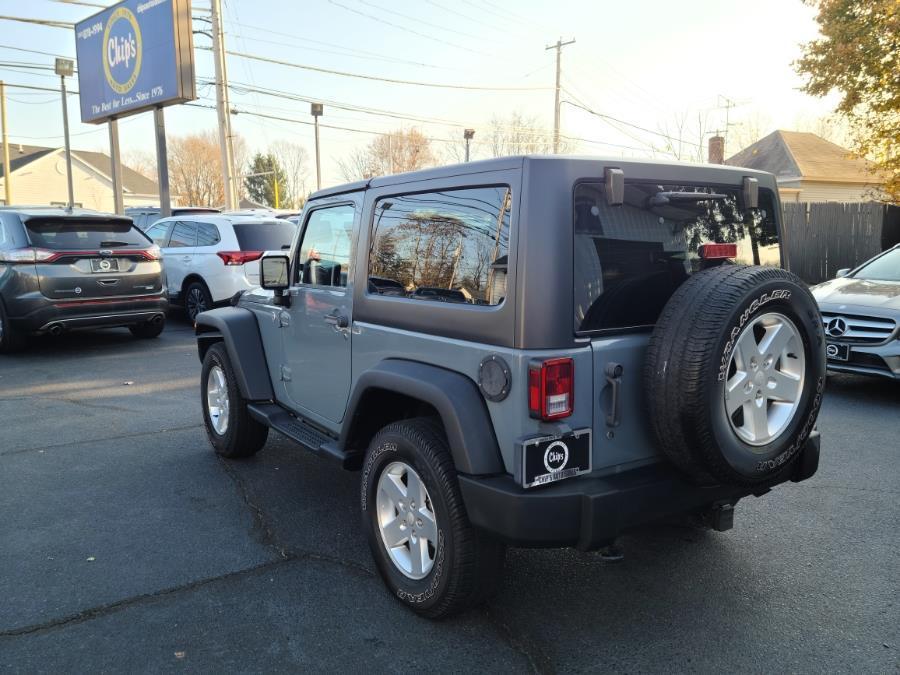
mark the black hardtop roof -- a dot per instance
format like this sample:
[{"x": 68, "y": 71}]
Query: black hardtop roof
[{"x": 646, "y": 169}]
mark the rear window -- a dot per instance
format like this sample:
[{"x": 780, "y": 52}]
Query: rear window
[
  {"x": 78, "y": 235},
  {"x": 271, "y": 236},
  {"x": 630, "y": 259}
]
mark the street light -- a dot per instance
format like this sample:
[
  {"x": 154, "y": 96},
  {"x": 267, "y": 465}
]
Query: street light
[
  {"x": 316, "y": 110},
  {"x": 468, "y": 134},
  {"x": 65, "y": 68}
]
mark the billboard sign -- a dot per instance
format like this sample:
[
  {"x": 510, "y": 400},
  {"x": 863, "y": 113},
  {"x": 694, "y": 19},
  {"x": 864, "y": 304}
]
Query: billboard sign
[{"x": 135, "y": 56}]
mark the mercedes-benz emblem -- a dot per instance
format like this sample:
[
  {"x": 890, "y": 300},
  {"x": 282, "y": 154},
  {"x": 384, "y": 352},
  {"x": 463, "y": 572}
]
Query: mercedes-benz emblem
[{"x": 836, "y": 327}]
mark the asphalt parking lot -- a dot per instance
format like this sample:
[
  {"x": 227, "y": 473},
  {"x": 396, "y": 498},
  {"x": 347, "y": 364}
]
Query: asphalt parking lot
[{"x": 127, "y": 545}]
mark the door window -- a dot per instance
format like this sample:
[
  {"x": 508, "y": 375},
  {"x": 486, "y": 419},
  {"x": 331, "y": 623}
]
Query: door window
[
  {"x": 324, "y": 254},
  {"x": 207, "y": 234},
  {"x": 183, "y": 234},
  {"x": 447, "y": 246},
  {"x": 158, "y": 233}
]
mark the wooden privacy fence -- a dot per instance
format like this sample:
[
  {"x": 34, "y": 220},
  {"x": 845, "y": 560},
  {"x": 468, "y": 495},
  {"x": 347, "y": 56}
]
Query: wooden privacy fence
[{"x": 822, "y": 238}]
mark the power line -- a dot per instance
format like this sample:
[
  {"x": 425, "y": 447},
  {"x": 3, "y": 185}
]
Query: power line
[
  {"x": 629, "y": 124},
  {"x": 430, "y": 38},
  {"x": 39, "y": 22},
  {"x": 34, "y": 51},
  {"x": 375, "y": 78},
  {"x": 419, "y": 21}
]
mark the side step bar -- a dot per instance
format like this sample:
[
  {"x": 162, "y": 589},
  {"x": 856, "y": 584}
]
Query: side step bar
[{"x": 279, "y": 419}]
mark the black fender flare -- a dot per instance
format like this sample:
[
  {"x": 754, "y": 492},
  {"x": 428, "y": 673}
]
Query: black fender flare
[
  {"x": 237, "y": 327},
  {"x": 454, "y": 396}
]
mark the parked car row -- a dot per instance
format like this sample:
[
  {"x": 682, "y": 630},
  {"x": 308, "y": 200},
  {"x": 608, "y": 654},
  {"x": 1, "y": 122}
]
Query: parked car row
[{"x": 65, "y": 269}]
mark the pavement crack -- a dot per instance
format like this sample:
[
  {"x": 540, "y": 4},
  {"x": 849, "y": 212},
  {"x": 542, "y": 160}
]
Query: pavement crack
[
  {"x": 112, "y": 607},
  {"x": 537, "y": 659},
  {"x": 138, "y": 434}
]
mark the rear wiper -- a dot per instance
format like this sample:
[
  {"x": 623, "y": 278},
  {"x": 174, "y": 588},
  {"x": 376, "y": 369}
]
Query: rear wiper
[
  {"x": 663, "y": 198},
  {"x": 106, "y": 244}
]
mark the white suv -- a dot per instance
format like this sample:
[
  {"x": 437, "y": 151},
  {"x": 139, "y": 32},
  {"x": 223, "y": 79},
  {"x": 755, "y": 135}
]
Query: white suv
[{"x": 209, "y": 258}]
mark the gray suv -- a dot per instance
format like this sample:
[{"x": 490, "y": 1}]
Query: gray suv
[
  {"x": 536, "y": 351},
  {"x": 63, "y": 269}
]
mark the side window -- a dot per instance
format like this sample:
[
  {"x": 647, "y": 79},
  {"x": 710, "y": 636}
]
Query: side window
[
  {"x": 4, "y": 237},
  {"x": 158, "y": 233},
  {"x": 448, "y": 246},
  {"x": 207, "y": 234},
  {"x": 183, "y": 234},
  {"x": 324, "y": 254}
]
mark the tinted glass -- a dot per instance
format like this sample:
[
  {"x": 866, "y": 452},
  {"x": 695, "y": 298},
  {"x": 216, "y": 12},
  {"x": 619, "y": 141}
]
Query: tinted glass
[
  {"x": 270, "y": 236},
  {"x": 183, "y": 234},
  {"x": 207, "y": 234},
  {"x": 158, "y": 233},
  {"x": 884, "y": 268},
  {"x": 78, "y": 235},
  {"x": 448, "y": 246},
  {"x": 630, "y": 259},
  {"x": 325, "y": 249}
]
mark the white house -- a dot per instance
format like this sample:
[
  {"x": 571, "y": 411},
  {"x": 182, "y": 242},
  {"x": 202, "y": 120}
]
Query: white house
[
  {"x": 39, "y": 177},
  {"x": 810, "y": 169}
]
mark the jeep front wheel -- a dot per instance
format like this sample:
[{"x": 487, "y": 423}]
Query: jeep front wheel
[
  {"x": 231, "y": 429},
  {"x": 429, "y": 555}
]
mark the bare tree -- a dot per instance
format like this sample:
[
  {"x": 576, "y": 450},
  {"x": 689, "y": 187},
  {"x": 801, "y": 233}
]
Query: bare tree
[
  {"x": 294, "y": 162},
  {"x": 195, "y": 167},
  {"x": 396, "y": 152},
  {"x": 518, "y": 134},
  {"x": 683, "y": 138},
  {"x": 746, "y": 132},
  {"x": 141, "y": 161}
]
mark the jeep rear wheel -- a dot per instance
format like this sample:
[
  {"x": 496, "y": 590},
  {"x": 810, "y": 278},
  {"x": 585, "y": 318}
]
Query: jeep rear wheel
[
  {"x": 734, "y": 374},
  {"x": 427, "y": 552},
  {"x": 231, "y": 429}
]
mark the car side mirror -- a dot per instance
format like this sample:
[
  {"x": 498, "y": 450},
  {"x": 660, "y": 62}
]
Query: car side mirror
[
  {"x": 274, "y": 275},
  {"x": 842, "y": 272}
]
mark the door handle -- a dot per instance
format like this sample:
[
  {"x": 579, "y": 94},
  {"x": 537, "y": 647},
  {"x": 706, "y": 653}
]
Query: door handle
[
  {"x": 614, "y": 379},
  {"x": 339, "y": 321}
]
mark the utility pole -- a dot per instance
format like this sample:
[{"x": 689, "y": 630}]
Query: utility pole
[
  {"x": 66, "y": 67},
  {"x": 558, "y": 47},
  {"x": 729, "y": 104},
  {"x": 316, "y": 110},
  {"x": 7, "y": 179},
  {"x": 222, "y": 107},
  {"x": 468, "y": 134}
]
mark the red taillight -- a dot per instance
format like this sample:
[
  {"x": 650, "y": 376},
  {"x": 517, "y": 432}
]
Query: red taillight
[
  {"x": 718, "y": 251},
  {"x": 551, "y": 389},
  {"x": 42, "y": 255},
  {"x": 239, "y": 257}
]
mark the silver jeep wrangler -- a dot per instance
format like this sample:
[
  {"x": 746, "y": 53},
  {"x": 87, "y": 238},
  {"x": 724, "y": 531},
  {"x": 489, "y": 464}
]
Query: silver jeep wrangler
[{"x": 536, "y": 351}]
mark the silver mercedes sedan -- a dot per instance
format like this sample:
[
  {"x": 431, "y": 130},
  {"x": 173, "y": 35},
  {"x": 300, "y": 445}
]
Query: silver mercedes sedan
[{"x": 861, "y": 313}]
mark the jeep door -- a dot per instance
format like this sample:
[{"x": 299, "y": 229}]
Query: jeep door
[{"x": 316, "y": 369}]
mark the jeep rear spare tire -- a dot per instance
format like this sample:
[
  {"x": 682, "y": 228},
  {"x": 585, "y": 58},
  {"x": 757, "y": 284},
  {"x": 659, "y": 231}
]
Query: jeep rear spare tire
[{"x": 734, "y": 374}]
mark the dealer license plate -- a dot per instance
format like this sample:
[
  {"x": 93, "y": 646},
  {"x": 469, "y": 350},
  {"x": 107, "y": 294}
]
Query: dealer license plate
[
  {"x": 103, "y": 265},
  {"x": 836, "y": 352},
  {"x": 548, "y": 459}
]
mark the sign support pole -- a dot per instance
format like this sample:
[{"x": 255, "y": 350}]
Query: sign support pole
[
  {"x": 115, "y": 166},
  {"x": 162, "y": 163},
  {"x": 62, "y": 80},
  {"x": 7, "y": 179}
]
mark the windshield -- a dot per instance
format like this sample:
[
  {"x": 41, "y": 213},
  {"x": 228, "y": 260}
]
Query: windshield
[
  {"x": 630, "y": 259},
  {"x": 884, "y": 268},
  {"x": 79, "y": 235}
]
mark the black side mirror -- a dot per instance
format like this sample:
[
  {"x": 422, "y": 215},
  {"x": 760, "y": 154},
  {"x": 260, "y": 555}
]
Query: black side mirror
[{"x": 275, "y": 275}]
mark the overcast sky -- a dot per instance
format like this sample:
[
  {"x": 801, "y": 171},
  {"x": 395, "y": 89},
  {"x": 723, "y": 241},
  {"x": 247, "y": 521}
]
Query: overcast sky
[{"x": 646, "y": 62}]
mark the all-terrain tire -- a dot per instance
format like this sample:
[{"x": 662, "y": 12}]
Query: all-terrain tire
[
  {"x": 466, "y": 562},
  {"x": 690, "y": 360},
  {"x": 242, "y": 436}
]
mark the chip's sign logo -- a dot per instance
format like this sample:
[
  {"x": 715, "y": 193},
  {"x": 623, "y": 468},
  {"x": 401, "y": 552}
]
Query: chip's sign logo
[
  {"x": 122, "y": 50},
  {"x": 556, "y": 456}
]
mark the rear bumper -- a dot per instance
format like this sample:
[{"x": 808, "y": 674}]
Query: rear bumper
[
  {"x": 51, "y": 316},
  {"x": 590, "y": 512}
]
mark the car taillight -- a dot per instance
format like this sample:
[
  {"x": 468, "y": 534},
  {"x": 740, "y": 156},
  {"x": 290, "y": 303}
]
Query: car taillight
[
  {"x": 551, "y": 388},
  {"x": 239, "y": 257},
  {"x": 28, "y": 255},
  {"x": 718, "y": 251}
]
